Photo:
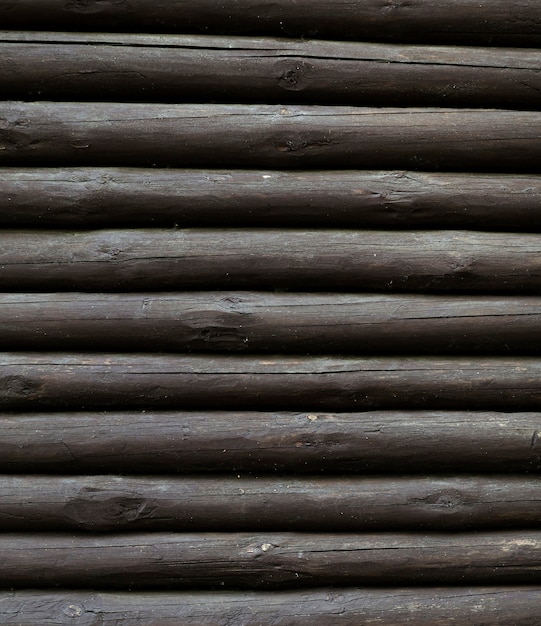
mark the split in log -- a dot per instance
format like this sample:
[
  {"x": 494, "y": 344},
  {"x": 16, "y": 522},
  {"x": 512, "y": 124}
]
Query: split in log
[
  {"x": 184, "y": 135},
  {"x": 115, "y": 503},
  {"x": 267, "y": 560},
  {"x": 456, "y": 21},
  {"x": 111, "y": 197},
  {"x": 111, "y": 381},
  {"x": 48, "y": 66},
  {"x": 189, "y": 442},
  {"x": 198, "y": 259},
  {"x": 505, "y": 606},
  {"x": 271, "y": 323}
]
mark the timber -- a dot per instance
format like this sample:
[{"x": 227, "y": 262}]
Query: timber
[
  {"x": 265, "y": 322},
  {"x": 171, "y": 442},
  {"x": 506, "y": 606},
  {"x": 49, "y": 381},
  {"x": 303, "y": 260},
  {"x": 49, "y": 66},
  {"x": 267, "y": 560},
  {"x": 258, "y": 136},
  {"x": 469, "y": 22},
  {"x": 116, "y": 197},
  {"x": 203, "y": 504}
]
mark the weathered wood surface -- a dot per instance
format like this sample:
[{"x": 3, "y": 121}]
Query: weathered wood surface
[
  {"x": 267, "y": 560},
  {"x": 501, "y": 22},
  {"x": 34, "y": 381},
  {"x": 330, "y": 260},
  {"x": 50, "y": 66},
  {"x": 113, "y": 197},
  {"x": 221, "y": 504},
  {"x": 271, "y": 323},
  {"x": 459, "y": 606},
  {"x": 228, "y": 135},
  {"x": 191, "y": 442}
]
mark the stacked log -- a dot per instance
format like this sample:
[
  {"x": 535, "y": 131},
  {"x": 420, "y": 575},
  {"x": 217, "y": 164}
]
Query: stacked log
[{"x": 270, "y": 312}]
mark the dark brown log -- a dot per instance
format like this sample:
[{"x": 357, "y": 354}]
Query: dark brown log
[
  {"x": 188, "y": 442},
  {"x": 115, "y": 503},
  {"x": 68, "y": 134},
  {"x": 111, "y": 381},
  {"x": 267, "y": 560},
  {"x": 505, "y": 606},
  {"x": 154, "y": 260},
  {"x": 48, "y": 66},
  {"x": 464, "y": 21},
  {"x": 112, "y": 197},
  {"x": 263, "y": 322}
]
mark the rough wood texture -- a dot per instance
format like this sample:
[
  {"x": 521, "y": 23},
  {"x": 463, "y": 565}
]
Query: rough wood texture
[
  {"x": 115, "y": 503},
  {"x": 47, "y": 66},
  {"x": 505, "y": 606},
  {"x": 113, "y": 197},
  {"x": 190, "y": 442},
  {"x": 500, "y": 22},
  {"x": 267, "y": 560},
  {"x": 112, "y": 381},
  {"x": 122, "y": 134},
  {"x": 154, "y": 260},
  {"x": 265, "y": 323}
]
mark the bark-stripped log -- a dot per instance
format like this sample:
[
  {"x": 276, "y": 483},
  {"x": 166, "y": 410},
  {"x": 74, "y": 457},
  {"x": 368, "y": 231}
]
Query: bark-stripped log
[
  {"x": 68, "y": 134},
  {"x": 458, "y": 606},
  {"x": 198, "y": 259},
  {"x": 188, "y": 442},
  {"x": 48, "y": 66},
  {"x": 501, "y": 22},
  {"x": 267, "y": 560},
  {"x": 263, "y": 322},
  {"x": 115, "y": 503},
  {"x": 112, "y": 381},
  {"x": 112, "y": 197}
]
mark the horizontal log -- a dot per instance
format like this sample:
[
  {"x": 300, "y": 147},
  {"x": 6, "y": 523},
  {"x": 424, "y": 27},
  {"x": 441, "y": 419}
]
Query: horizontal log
[
  {"x": 264, "y": 322},
  {"x": 111, "y": 381},
  {"x": 55, "y": 66},
  {"x": 506, "y": 606},
  {"x": 115, "y": 503},
  {"x": 190, "y": 442},
  {"x": 331, "y": 260},
  {"x": 113, "y": 197},
  {"x": 455, "y": 21},
  {"x": 184, "y": 135},
  {"x": 267, "y": 560}
]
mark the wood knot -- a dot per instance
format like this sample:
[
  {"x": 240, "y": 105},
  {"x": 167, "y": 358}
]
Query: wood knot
[{"x": 293, "y": 75}]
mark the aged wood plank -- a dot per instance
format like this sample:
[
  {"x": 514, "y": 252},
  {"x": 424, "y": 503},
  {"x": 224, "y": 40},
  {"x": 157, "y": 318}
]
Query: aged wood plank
[
  {"x": 455, "y": 21},
  {"x": 50, "y": 66},
  {"x": 227, "y": 135},
  {"x": 84, "y": 381},
  {"x": 194, "y": 442},
  {"x": 267, "y": 560},
  {"x": 303, "y": 260},
  {"x": 271, "y": 322},
  {"x": 114, "y": 197},
  {"x": 203, "y": 504}
]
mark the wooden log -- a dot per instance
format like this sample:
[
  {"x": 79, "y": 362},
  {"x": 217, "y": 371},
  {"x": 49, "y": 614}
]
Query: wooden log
[
  {"x": 116, "y": 503},
  {"x": 267, "y": 560},
  {"x": 55, "y": 66},
  {"x": 506, "y": 606},
  {"x": 191, "y": 442},
  {"x": 113, "y": 197},
  {"x": 271, "y": 323},
  {"x": 255, "y": 136},
  {"x": 456, "y": 21},
  {"x": 330, "y": 260},
  {"x": 111, "y": 381}
]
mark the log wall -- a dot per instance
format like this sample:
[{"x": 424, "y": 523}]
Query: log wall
[{"x": 270, "y": 290}]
